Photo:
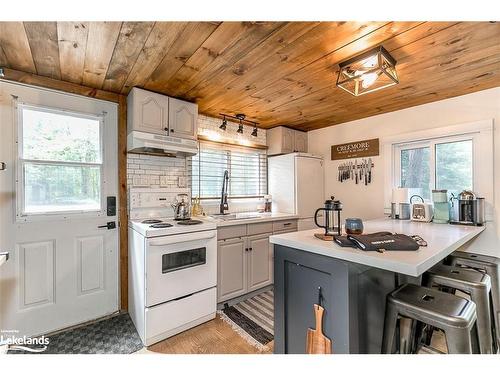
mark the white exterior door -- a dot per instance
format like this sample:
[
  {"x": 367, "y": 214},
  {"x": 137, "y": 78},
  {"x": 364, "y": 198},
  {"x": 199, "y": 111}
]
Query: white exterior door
[{"x": 60, "y": 153}]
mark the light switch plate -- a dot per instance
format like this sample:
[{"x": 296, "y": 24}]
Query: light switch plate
[{"x": 181, "y": 182}]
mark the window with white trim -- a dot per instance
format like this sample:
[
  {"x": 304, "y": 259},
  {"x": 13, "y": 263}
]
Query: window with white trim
[
  {"x": 60, "y": 161},
  {"x": 440, "y": 163},
  {"x": 247, "y": 169}
]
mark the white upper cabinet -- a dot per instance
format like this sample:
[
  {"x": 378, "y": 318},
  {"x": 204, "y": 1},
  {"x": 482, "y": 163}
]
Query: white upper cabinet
[
  {"x": 155, "y": 113},
  {"x": 300, "y": 141},
  {"x": 183, "y": 119},
  {"x": 283, "y": 140},
  {"x": 147, "y": 112}
]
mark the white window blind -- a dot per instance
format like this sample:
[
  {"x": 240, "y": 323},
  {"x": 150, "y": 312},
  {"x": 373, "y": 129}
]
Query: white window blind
[{"x": 247, "y": 169}]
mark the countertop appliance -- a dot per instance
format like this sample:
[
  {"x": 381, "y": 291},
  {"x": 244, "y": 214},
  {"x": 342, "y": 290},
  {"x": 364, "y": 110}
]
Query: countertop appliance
[
  {"x": 160, "y": 145},
  {"x": 470, "y": 209},
  {"x": 441, "y": 206},
  {"x": 172, "y": 275},
  {"x": 182, "y": 207},
  {"x": 421, "y": 211},
  {"x": 332, "y": 221},
  {"x": 400, "y": 206},
  {"x": 296, "y": 183}
]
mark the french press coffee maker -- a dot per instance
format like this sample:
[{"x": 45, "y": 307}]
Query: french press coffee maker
[{"x": 332, "y": 210}]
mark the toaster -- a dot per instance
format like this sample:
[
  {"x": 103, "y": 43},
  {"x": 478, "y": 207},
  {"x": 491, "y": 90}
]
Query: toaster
[{"x": 421, "y": 211}]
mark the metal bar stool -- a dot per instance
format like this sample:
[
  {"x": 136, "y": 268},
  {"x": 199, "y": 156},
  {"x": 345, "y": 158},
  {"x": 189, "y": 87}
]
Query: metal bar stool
[
  {"x": 478, "y": 286},
  {"x": 456, "y": 316},
  {"x": 491, "y": 266}
]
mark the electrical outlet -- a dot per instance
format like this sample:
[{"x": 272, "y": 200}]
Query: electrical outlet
[{"x": 181, "y": 182}]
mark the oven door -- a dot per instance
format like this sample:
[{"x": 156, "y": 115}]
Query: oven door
[{"x": 179, "y": 265}]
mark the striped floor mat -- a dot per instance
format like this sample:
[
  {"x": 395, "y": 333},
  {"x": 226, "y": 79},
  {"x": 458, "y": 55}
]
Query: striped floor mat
[{"x": 253, "y": 318}]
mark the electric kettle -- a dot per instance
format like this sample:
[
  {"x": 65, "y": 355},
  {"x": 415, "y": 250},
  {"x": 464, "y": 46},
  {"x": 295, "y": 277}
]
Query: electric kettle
[
  {"x": 182, "y": 207},
  {"x": 332, "y": 210}
]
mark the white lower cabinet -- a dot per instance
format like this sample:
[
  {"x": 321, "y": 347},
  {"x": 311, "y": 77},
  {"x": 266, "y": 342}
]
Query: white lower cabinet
[
  {"x": 260, "y": 262},
  {"x": 231, "y": 268},
  {"x": 245, "y": 263}
]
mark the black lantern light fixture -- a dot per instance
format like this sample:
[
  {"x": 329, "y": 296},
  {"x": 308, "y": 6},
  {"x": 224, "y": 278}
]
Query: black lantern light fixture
[
  {"x": 254, "y": 131},
  {"x": 368, "y": 72},
  {"x": 223, "y": 126}
]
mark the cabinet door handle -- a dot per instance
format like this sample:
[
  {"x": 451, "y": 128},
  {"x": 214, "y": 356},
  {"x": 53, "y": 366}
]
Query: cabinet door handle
[
  {"x": 287, "y": 224},
  {"x": 166, "y": 129},
  {"x": 250, "y": 249},
  {"x": 171, "y": 130}
]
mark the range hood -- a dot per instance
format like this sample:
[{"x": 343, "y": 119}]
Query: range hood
[{"x": 160, "y": 145}]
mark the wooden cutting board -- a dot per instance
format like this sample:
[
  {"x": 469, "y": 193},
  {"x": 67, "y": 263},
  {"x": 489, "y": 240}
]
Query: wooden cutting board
[{"x": 317, "y": 342}]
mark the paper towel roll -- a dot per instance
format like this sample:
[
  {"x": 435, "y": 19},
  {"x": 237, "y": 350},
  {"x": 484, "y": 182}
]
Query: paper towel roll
[{"x": 400, "y": 195}]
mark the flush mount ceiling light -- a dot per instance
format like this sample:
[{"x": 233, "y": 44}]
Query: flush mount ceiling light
[
  {"x": 368, "y": 72},
  {"x": 224, "y": 124}
]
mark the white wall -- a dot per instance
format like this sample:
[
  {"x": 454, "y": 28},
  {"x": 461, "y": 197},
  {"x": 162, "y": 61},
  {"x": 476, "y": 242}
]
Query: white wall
[{"x": 367, "y": 202}]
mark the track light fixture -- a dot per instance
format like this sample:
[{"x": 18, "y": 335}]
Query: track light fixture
[
  {"x": 224, "y": 124},
  {"x": 241, "y": 117}
]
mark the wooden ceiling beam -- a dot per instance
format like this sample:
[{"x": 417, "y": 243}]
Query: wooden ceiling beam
[{"x": 54, "y": 84}]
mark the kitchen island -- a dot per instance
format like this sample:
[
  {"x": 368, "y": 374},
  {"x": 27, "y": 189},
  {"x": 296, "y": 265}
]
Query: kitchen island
[{"x": 353, "y": 283}]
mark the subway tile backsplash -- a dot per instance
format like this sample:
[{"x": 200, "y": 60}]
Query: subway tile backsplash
[{"x": 170, "y": 176}]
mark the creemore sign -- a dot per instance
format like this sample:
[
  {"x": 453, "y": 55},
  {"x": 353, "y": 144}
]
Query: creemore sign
[{"x": 359, "y": 149}]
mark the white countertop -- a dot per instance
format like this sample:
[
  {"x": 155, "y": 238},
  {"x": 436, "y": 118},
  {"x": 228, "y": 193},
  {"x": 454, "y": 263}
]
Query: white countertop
[
  {"x": 262, "y": 217},
  {"x": 442, "y": 240}
]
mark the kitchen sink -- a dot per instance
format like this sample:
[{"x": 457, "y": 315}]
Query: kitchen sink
[{"x": 229, "y": 217}]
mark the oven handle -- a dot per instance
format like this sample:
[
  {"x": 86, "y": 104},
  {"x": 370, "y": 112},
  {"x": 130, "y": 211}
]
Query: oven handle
[{"x": 182, "y": 238}]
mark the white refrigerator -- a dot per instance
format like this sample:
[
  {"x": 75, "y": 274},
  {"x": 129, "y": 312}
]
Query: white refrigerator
[{"x": 296, "y": 183}]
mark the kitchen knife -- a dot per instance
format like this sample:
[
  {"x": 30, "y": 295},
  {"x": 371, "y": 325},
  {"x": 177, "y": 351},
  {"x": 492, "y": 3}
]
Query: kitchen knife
[
  {"x": 356, "y": 170},
  {"x": 366, "y": 172},
  {"x": 369, "y": 170}
]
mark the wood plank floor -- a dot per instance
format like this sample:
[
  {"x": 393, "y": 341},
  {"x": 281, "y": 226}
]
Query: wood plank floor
[{"x": 213, "y": 337}]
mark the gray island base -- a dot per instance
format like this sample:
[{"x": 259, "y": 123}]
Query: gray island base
[{"x": 353, "y": 292}]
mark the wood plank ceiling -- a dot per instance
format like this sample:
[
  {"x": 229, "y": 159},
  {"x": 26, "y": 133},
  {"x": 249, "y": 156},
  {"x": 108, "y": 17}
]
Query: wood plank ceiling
[{"x": 278, "y": 73}]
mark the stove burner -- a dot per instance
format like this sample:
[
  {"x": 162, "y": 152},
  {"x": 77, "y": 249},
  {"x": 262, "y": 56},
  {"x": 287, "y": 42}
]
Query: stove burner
[
  {"x": 189, "y": 222},
  {"x": 161, "y": 225},
  {"x": 151, "y": 221}
]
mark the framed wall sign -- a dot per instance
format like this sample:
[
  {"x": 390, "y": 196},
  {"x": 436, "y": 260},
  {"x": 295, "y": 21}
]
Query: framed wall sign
[{"x": 359, "y": 149}]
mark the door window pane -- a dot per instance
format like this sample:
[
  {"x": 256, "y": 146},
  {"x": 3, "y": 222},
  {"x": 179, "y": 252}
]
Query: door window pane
[
  {"x": 53, "y": 188},
  {"x": 415, "y": 169},
  {"x": 454, "y": 166},
  {"x": 61, "y": 137}
]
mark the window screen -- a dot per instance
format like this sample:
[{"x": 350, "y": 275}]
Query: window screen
[{"x": 247, "y": 169}]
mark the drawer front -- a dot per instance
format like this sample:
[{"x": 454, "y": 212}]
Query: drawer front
[
  {"x": 231, "y": 231},
  {"x": 167, "y": 317},
  {"x": 259, "y": 228},
  {"x": 284, "y": 225}
]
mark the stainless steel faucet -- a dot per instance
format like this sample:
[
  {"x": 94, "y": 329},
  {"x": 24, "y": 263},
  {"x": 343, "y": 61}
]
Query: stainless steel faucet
[{"x": 223, "y": 199}]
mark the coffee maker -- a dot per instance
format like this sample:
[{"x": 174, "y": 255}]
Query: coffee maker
[
  {"x": 470, "y": 209},
  {"x": 332, "y": 210}
]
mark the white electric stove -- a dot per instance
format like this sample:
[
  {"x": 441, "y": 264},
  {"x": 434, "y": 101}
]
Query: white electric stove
[{"x": 172, "y": 275}]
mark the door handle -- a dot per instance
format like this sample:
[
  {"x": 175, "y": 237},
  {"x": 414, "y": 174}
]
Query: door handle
[
  {"x": 109, "y": 225},
  {"x": 3, "y": 166},
  {"x": 6, "y": 254}
]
